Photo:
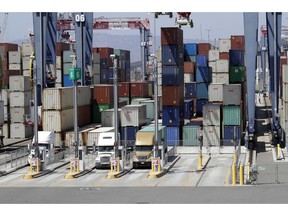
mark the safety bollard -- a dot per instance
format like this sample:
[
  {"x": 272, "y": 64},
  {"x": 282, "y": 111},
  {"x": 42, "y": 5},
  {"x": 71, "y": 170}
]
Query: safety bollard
[
  {"x": 278, "y": 151},
  {"x": 118, "y": 165},
  {"x": 235, "y": 157},
  {"x": 37, "y": 166},
  {"x": 241, "y": 174},
  {"x": 234, "y": 177},
  {"x": 248, "y": 168},
  {"x": 199, "y": 161}
]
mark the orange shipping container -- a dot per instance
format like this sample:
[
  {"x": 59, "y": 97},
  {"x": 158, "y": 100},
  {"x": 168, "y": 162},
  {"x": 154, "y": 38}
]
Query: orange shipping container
[
  {"x": 173, "y": 95},
  {"x": 237, "y": 42},
  {"x": 189, "y": 67},
  {"x": 103, "y": 94},
  {"x": 224, "y": 55}
]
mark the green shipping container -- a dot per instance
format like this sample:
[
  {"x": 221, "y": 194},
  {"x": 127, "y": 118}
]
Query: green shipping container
[
  {"x": 232, "y": 115},
  {"x": 96, "y": 111},
  {"x": 190, "y": 58},
  {"x": 149, "y": 108},
  {"x": 236, "y": 74},
  {"x": 190, "y": 135}
]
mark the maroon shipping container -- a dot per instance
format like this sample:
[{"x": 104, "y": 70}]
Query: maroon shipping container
[
  {"x": 189, "y": 67},
  {"x": 123, "y": 89},
  {"x": 224, "y": 55},
  {"x": 203, "y": 48},
  {"x": 237, "y": 42},
  {"x": 104, "y": 52},
  {"x": 139, "y": 89},
  {"x": 170, "y": 36},
  {"x": 7, "y": 74},
  {"x": 103, "y": 94},
  {"x": 84, "y": 115},
  {"x": 60, "y": 47},
  {"x": 4, "y": 49},
  {"x": 122, "y": 103},
  {"x": 127, "y": 54},
  {"x": 173, "y": 95}
]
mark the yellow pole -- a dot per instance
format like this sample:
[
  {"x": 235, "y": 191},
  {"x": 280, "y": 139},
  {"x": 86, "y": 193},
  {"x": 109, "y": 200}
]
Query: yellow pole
[
  {"x": 37, "y": 166},
  {"x": 118, "y": 165},
  {"x": 77, "y": 165},
  {"x": 248, "y": 167},
  {"x": 111, "y": 165},
  {"x": 241, "y": 175},
  {"x": 31, "y": 168},
  {"x": 235, "y": 157},
  {"x": 200, "y": 160},
  {"x": 279, "y": 150},
  {"x": 158, "y": 164},
  {"x": 234, "y": 174}
]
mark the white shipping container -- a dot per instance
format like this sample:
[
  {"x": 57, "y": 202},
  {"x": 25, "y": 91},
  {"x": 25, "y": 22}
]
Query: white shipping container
[
  {"x": 58, "y": 84},
  {"x": 222, "y": 66},
  {"x": 212, "y": 114},
  {"x": 232, "y": 94},
  {"x": 20, "y": 131},
  {"x": 6, "y": 131},
  {"x": 59, "y": 76},
  {"x": 220, "y": 78},
  {"x": 224, "y": 45},
  {"x": 215, "y": 92},
  {"x": 107, "y": 118},
  {"x": 285, "y": 73},
  {"x": 4, "y": 96},
  {"x": 93, "y": 135},
  {"x": 19, "y": 114},
  {"x": 26, "y": 63},
  {"x": 285, "y": 93},
  {"x": 211, "y": 135},
  {"x": 213, "y": 66},
  {"x": 58, "y": 121},
  {"x": 96, "y": 69},
  {"x": 27, "y": 49},
  {"x": 188, "y": 77},
  {"x": 19, "y": 83},
  {"x": 20, "y": 99},
  {"x": 57, "y": 98},
  {"x": 6, "y": 113},
  {"x": 14, "y": 67},
  {"x": 2, "y": 113},
  {"x": 26, "y": 73},
  {"x": 84, "y": 95},
  {"x": 133, "y": 115},
  {"x": 70, "y": 139},
  {"x": 58, "y": 62},
  {"x": 96, "y": 79},
  {"x": 14, "y": 57},
  {"x": 96, "y": 58},
  {"x": 58, "y": 142},
  {"x": 160, "y": 92},
  {"x": 213, "y": 55}
]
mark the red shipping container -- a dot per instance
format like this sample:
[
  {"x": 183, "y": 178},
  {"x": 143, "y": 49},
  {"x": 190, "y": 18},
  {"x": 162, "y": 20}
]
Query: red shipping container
[
  {"x": 103, "y": 94},
  {"x": 84, "y": 115},
  {"x": 203, "y": 48},
  {"x": 139, "y": 89},
  {"x": 237, "y": 42},
  {"x": 4, "y": 49},
  {"x": 123, "y": 89},
  {"x": 7, "y": 74},
  {"x": 104, "y": 52},
  {"x": 173, "y": 95},
  {"x": 189, "y": 67},
  {"x": 60, "y": 47},
  {"x": 171, "y": 36},
  {"x": 224, "y": 55}
]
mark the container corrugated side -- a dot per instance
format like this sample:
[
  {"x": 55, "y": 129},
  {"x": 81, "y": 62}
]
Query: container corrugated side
[
  {"x": 224, "y": 45},
  {"x": 19, "y": 83},
  {"x": 2, "y": 114},
  {"x": 215, "y": 92},
  {"x": 230, "y": 133},
  {"x": 129, "y": 134},
  {"x": 172, "y": 75},
  {"x": 211, "y": 135},
  {"x": 232, "y": 115},
  {"x": 220, "y": 78},
  {"x": 27, "y": 49},
  {"x": 14, "y": 57},
  {"x": 70, "y": 139},
  {"x": 58, "y": 120},
  {"x": 84, "y": 95},
  {"x": 107, "y": 118},
  {"x": 57, "y": 98},
  {"x": 20, "y": 131},
  {"x": 4, "y": 95},
  {"x": 93, "y": 135},
  {"x": 188, "y": 77},
  {"x": 212, "y": 114},
  {"x": 213, "y": 55},
  {"x": 285, "y": 73},
  {"x": 285, "y": 92},
  {"x": 6, "y": 131},
  {"x": 190, "y": 135},
  {"x": 58, "y": 140},
  {"x": 173, "y": 136},
  {"x": 149, "y": 108},
  {"x": 17, "y": 114},
  {"x": 232, "y": 94},
  {"x": 172, "y": 116},
  {"x": 222, "y": 66},
  {"x": 133, "y": 115},
  {"x": 20, "y": 99},
  {"x": 173, "y": 55},
  {"x": 212, "y": 65},
  {"x": 202, "y": 91}
]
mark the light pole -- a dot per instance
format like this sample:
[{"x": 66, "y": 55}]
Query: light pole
[{"x": 209, "y": 30}]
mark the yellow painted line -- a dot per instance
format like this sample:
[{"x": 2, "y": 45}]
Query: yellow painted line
[{"x": 227, "y": 177}]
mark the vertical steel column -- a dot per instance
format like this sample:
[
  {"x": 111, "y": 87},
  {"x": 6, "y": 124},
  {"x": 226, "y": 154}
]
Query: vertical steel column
[
  {"x": 143, "y": 52},
  {"x": 88, "y": 38},
  {"x": 115, "y": 106},
  {"x": 263, "y": 61},
  {"x": 251, "y": 37}
]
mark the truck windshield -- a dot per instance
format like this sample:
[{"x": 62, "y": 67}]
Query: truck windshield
[
  {"x": 144, "y": 148},
  {"x": 105, "y": 148}
]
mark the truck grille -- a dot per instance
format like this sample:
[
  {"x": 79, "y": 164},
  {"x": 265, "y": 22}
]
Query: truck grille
[{"x": 105, "y": 159}]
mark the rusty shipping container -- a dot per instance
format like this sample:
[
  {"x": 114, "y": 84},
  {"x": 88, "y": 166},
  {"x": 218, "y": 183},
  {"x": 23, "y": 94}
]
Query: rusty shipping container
[
  {"x": 124, "y": 89},
  {"x": 84, "y": 115},
  {"x": 60, "y": 47},
  {"x": 203, "y": 48},
  {"x": 103, "y": 94},
  {"x": 104, "y": 52},
  {"x": 224, "y": 55},
  {"x": 189, "y": 67},
  {"x": 237, "y": 42},
  {"x": 171, "y": 36},
  {"x": 139, "y": 89},
  {"x": 173, "y": 95}
]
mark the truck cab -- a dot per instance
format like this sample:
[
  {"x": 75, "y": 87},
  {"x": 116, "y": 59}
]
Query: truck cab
[{"x": 105, "y": 149}]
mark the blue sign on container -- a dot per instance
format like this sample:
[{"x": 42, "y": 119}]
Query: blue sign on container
[
  {"x": 188, "y": 108},
  {"x": 202, "y": 91},
  {"x": 172, "y": 55},
  {"x": 201, "y": 60},
  {"x": 172, "y": 75},
  {"x": 236, "y": 57},
  {"x": 173, "y": 136},
  {"x": 129, "y": 134},
  {"x": 172, "y": 115},
  {"x": 199, "y": 106},
  {"x": 190, "y": 90},
  {"x": 203, "y": 74},
  {"x": 190, "y": 49},
  {"x": 229, "y": 135},
  {"x": 66, "y": 81}
]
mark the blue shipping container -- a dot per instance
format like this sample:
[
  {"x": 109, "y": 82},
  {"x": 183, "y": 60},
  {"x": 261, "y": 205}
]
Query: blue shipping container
[
  {"x": 129, "y": 133},
  {"x": 201, "y": 61},
  {"x": 104, "y": 76},
  {"x": 236, "y": 57},
  {"x": 172, "y": 75},
  {"x": 188, "y": 108},
  {"x": 173, "y": 136},
  {"x": 172, "y": 55},
  {"x": 172, "y": 115},
  {"x": 202, "y": 91},
  {"x": 103, "y": 63},
  {"x": 190, "y": 90},
  {"x": 229, "y": 135},
  {"x": 199, "y": 106},
  {"x": 203, "y": 74},
  {"x": 39, "y": 95},
  {"x": 66, "y": 81},
  {"x": 190, "y": 49}
]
